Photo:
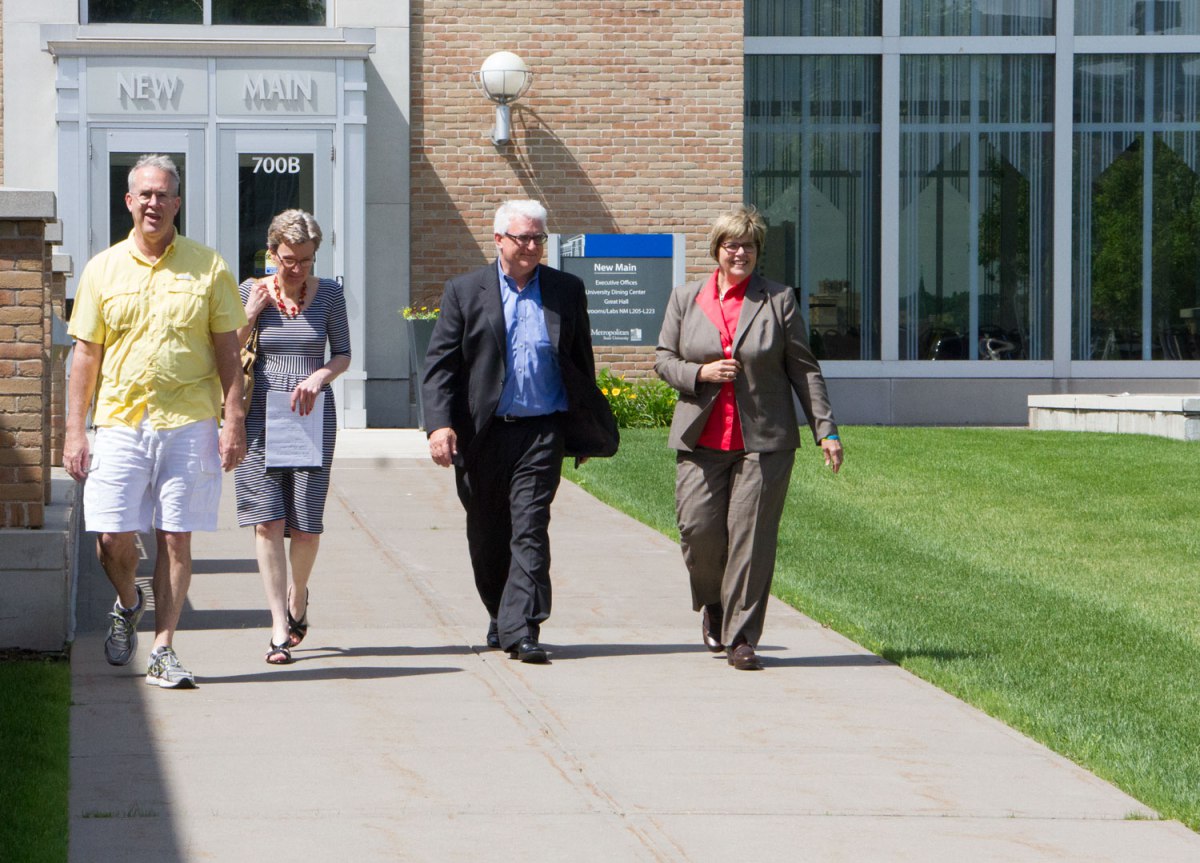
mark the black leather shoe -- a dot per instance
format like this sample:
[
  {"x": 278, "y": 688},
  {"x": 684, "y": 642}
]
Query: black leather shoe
[
  {"x": 528, "y": 650},
  {"x": 493, "y": 636},
  {"x": 707, "y": 616},
  {"x": 743, "y": 658}
]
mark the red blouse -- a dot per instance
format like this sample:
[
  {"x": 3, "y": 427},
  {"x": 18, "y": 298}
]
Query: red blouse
[{"x": 723, "y": 430}]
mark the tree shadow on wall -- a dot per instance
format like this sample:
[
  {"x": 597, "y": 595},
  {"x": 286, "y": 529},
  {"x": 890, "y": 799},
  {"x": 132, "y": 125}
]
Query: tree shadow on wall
[
  {"x": 546, "y": 170},
  {"x": 549, "y": 172},
  {"x": 442, "y": 246}
]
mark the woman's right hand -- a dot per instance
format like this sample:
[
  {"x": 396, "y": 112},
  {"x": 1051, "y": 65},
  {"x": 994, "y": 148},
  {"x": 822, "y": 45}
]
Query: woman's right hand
[
  {"x": 719, "y": 371},
  {"x": 259, "y": 299}
]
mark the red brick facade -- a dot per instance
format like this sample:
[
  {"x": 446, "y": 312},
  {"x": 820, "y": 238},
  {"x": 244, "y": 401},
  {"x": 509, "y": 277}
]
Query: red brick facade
[
  {"x": 29, "y": 295},
  {"x": 633, "y": 125}
]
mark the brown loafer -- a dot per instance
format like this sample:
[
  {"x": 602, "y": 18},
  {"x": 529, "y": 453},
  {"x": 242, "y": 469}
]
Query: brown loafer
[
  {"x": 743, "y": 658},
  {"x": 706, "y": 630}
]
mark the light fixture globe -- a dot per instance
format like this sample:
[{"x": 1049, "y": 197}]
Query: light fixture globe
[{"x": 503, "y": 78}]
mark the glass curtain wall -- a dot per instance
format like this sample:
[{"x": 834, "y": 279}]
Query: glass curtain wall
[
  {"x": 975, "y": 205},
  {"x": 1137, "y": 17},
  {"x": 267, "y": 12},
  {"x": 1136, "y": 259},
  {"x": 964, "y": 249},
  {"x": 977, "y": 17},
  {"x": 812, "y": 167},
  {"x": 808, "y": 18}
]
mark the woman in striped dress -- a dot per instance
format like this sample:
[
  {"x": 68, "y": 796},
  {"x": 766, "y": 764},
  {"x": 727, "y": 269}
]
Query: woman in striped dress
[{"x": 296, "y": 315}]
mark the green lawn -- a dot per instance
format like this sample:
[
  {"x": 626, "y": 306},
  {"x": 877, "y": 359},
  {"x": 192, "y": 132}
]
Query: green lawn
[
  {"x": 1048, "y": 578},
  {"x": 34, "y": 749}
]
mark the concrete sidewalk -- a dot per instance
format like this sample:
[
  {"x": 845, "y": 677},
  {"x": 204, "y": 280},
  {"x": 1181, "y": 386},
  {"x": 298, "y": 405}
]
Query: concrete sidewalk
[{"x": 398, "y": 736}]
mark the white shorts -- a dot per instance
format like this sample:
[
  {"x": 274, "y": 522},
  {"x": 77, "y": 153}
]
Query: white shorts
[{"x": 170, "y": 478}]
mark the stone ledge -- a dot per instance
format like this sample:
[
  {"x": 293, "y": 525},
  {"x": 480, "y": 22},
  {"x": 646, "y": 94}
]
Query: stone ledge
[
  {"x": 37, "y": 570},
  {"x": 27, "y": 204},
  {"x": 1170, "y": 416}
]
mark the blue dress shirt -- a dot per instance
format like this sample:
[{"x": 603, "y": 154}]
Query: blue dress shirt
[{"x": 533, "y": 383}]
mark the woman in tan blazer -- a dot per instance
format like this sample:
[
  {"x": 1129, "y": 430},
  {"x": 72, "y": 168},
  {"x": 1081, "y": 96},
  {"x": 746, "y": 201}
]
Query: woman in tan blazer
[{"x": 734, "y": 347}]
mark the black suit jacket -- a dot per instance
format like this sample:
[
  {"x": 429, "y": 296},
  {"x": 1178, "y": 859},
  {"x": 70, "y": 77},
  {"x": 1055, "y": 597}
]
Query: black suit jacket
[{"x": 468, "y": 356}]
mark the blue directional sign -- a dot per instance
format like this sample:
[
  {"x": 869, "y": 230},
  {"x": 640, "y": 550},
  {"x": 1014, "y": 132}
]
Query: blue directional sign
[{"x": 628, "y": 278}]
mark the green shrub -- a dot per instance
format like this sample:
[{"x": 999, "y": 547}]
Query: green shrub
[{"x": 640, "y": 404}]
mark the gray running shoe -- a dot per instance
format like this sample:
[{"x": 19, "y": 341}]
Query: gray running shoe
[
  {"x": 121, "y": 643},
  {"x": 165, "y": 671}
]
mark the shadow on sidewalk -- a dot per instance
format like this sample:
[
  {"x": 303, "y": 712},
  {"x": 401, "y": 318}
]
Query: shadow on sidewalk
[
  {"x": 604, "y": 651},
  {"x": 224, "y": 566},
  {"x": 289, "y": 674},
  {"x": 328, "y": 651},
  {"x": 108, "y": 713},
  {"x": 851, "y": 660},
  {"x": 224, "y": 618}
]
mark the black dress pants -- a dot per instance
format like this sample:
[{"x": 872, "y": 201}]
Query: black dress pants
[{"x": 506, "y": 487}]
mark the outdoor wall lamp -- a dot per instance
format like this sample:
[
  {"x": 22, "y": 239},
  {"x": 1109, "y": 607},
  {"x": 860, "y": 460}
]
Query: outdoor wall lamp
[{"x": 503, "y": 78}]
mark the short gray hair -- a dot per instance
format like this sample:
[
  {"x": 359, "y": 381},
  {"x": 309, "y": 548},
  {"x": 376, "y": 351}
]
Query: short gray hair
[
  {"x": 159, "y": 161},
  {"x": 293, "y": 227},
  {"x": 510, "y": 210}
]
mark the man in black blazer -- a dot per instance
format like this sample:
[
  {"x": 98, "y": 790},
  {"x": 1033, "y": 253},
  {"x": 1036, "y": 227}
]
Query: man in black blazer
[{"x": 509, "y": 389}]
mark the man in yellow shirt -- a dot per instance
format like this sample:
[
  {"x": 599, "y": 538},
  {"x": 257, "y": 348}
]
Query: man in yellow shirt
[{"x": 155, "y": 321}]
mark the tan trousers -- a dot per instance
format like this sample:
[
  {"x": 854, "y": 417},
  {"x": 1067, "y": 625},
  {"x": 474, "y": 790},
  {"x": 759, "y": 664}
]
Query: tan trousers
[{"x": 728, "y": 505}]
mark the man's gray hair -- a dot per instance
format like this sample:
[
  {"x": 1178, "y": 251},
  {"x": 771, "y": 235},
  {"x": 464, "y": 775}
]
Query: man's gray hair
[
  {"x": 162, "y": 163},
  {"x": 510, "y": 210}
]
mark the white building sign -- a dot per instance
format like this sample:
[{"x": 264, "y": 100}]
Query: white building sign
[
  {"x": 164, "y": 87},
  {"x": 268, "y": 87}
]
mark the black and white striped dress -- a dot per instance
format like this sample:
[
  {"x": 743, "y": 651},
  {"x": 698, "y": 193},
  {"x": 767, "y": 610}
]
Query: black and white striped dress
[{"x": 289, "y": 350}]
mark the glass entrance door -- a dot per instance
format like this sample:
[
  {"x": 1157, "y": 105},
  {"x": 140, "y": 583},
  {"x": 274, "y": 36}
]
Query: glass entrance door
[
  {"x": 113, "y": 152},
  {"x": 263, "y": 173}
]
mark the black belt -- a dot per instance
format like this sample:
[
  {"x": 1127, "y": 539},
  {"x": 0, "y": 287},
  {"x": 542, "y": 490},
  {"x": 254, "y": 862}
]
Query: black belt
[{"x": 511, "y": 418}]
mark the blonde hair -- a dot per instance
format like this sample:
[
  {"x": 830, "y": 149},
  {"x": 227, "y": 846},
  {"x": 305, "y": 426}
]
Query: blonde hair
[
  {"x": 740, "y": 222},
  {"x": 293, "y": 227}
]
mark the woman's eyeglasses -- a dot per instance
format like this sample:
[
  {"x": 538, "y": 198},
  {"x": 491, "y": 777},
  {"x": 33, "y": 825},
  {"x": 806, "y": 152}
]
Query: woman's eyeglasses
[{"x": 292, "y": 263}]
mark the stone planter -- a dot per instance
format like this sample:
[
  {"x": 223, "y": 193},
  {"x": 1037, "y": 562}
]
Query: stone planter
[{"x": 419, "y": 333}]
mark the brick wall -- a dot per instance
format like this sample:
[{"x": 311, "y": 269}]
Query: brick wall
[
  {"x": 633, "y": 125},
  {"x": 56, "y": 407},
  {"x": 26, "y": 303}
]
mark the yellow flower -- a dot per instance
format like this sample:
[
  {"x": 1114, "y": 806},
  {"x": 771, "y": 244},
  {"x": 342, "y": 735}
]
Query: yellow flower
[
  {"x": 604, "y": 390},
  {"x": 632, "y": 396},
  {"x": 616, "y": 391}
]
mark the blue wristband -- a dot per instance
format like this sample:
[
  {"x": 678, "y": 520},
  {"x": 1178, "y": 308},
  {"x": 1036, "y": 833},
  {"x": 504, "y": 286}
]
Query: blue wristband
[{"x": 831, "y": 437}]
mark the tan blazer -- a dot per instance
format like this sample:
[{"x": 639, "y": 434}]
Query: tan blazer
[{"x": 772, "y": 347}]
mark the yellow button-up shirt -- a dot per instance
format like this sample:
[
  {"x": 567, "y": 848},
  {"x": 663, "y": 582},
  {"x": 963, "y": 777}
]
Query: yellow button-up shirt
[{"x": 155, "y": 321}]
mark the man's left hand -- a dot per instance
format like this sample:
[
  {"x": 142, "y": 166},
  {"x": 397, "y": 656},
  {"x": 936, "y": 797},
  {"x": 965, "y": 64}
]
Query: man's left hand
[{"x": 232, "y": 443}]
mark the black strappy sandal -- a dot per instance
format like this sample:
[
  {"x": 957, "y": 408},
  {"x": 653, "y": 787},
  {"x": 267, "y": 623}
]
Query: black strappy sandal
[
  {"x": 297, "y": 629},
  {"x": 279, "y": 650}
]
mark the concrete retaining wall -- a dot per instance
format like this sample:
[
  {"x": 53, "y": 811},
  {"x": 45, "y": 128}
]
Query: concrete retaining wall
[{"x": 1176, "y": 417}]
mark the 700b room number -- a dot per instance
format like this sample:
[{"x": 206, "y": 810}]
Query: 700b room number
[{"x": 276, "y": 164}]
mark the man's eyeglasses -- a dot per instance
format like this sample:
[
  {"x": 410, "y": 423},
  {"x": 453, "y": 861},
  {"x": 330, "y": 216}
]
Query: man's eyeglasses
[
  {"x": 292, "y": 263},
  {"x": 146, "y": 197},
  {"x": 526, "y": 239},
  {"x": 734, "y": 248}
]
